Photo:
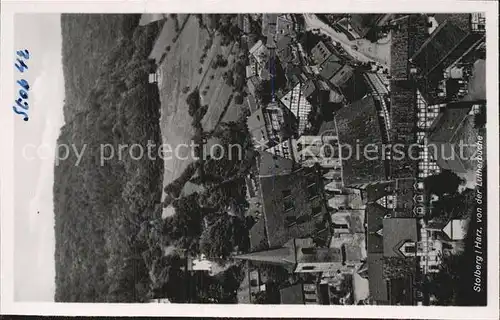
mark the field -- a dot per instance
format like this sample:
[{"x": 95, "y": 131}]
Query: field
[{"x": 180, "y": 71}]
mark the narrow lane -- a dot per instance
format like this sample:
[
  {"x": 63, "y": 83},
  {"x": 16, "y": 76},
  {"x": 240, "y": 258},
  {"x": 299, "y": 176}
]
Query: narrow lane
[{"x": 313, "y": 22}]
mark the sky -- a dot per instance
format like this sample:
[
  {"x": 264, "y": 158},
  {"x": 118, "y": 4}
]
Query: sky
[{"x": 34, "y": 244}]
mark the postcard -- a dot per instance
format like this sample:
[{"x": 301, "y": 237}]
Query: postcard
[{"x": 207, "y": 159}]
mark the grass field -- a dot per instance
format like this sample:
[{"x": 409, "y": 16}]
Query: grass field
[
  {"x": 218, "y": 91},
  {"x": 180, "y": 70}
]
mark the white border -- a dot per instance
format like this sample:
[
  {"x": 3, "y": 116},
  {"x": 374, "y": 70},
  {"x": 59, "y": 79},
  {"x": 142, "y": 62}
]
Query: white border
[{"x": 8, "y": 306}]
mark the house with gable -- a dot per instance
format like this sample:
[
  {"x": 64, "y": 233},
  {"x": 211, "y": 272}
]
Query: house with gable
[
  {"x": 292, "y": 203},
  {"x": 301, "y": 255}
]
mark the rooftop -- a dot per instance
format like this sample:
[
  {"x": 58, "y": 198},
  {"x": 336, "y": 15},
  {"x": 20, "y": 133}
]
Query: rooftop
[
  {"x": 289, "y": 209},
  {"x": 377, "y": 283},
  {"x": 292, "y": 294},
  {"x": 442, "y": 42},
  {"x": 375, "y": 216},
  {"x": 405, "y": 41},
  {"x": 358, "y": 124},
  {"x": 454, "y": 126},
  {"x": 362, "y": 23},
  {"x": 330, "y": 66},
  {"x": 404, "y": 121},
  {"x": 397, "y": 231}
]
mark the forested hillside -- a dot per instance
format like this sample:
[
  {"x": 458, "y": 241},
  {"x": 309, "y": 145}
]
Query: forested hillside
[{"x": 100, "y": 211}]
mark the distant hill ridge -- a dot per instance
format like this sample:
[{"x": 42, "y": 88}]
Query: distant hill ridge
[{"x": 100, "y": 210}]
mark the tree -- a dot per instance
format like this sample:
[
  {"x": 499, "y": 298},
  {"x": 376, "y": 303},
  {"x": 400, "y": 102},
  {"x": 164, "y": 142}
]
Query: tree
[
  {"x": 446, "y": 182},
  {"x": 262, "y": 297},
  {"x": 238, "y": 99},
  {"x": 446, "y": 284},
  {"x": 263, "y": 92},
  {"x": 397, "y": 268},
  {"x": 193, "y": 101},
  {"x": 221, "y": 237}
]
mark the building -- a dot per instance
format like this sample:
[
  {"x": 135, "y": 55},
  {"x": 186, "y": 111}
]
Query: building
[
  {"x": 310, "y": 151},
  {"x": 269, "y": 27},
  {"x": 285, "y": 27},
  {"x": 398, "y": 236},
  {"x": 252, "y": 84},
  {"x": 378, "y": 84},
  {"x": 321, "y": 52},
  {"x": 457, "y": 34},
  {"x": 343, "y": 75},
  {"x": 358, "y": 125},
  {"x": 291, "y": 201},
  {"x": 452, "y": 139},
  {"x": 403, "y": 128},
  {"x": 283, "y": 149},
  {"x": 302, "y": 256},
  {"x": 360, "y": 25},
  {"x": 259, "y": 59},
  {"x": 200, "y": 263},
  {"x": 330, "y": 66},
  {"x": 408, "y": 36},
  {"x": 317, "y": 150},
  {"x": 456, "y": 229},
  {"x": 300, "y": 293},
  {"x": 271, "y": 125},
  {"x": 296, "y": 102}
]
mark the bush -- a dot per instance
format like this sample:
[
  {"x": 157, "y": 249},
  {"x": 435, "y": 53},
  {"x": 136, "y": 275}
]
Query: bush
[{"x": 238, "y": 99}]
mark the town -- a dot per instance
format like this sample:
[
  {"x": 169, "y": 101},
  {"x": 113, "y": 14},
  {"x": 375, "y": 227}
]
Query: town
[
  {"x": 353, "y": 180},
  {"x": 330, "y": 230}
]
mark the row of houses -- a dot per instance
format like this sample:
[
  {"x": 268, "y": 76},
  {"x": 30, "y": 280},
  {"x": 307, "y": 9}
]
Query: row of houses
[
  {"x": 343, "y": 223},
  {"x": 420, "y": 116}
]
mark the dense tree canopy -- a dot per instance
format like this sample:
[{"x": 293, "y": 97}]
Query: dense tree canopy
[{"x": 101, "y": 203}]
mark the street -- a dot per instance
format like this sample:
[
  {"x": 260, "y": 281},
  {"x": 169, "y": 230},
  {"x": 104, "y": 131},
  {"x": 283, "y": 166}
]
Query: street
[{"x": 380, "y": 52}]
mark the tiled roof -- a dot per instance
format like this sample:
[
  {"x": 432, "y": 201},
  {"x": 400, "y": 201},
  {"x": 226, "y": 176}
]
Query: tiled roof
[
  {"x": 273, "y": 191},
  {"x": 404, "y": 121},
  {"x": 412, "y": 34},
  {"x": 292, "y": 295},
  {"x": 376, "y": 281},
  {"x": 358, "y": 123},
  {"x": 331, "y": 66},
  {"x": 281, "y": 256},
  {"x": 375, "y": 217},
  {"x": 452, "y": 127},
  {"x": 442, "y": 41},
  {"x": 396, "y": 232},
  {"x": 272, "y": 165}
]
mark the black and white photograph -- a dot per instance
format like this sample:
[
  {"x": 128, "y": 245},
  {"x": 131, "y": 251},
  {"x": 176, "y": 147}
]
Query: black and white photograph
[{"x": 251, "y": 158}]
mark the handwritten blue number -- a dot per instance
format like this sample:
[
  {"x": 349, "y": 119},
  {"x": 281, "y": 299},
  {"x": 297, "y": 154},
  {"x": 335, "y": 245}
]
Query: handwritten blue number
[
  {"x": 24, "y": 54},
  {"x": 21, "y": 66}
]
